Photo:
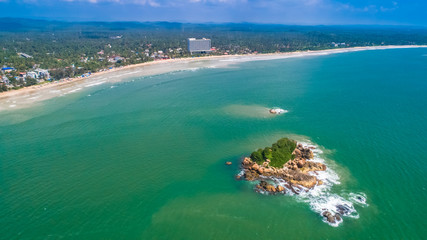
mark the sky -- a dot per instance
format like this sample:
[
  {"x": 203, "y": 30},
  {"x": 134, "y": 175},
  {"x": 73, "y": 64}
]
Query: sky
[{"x": 299, "y": 12}]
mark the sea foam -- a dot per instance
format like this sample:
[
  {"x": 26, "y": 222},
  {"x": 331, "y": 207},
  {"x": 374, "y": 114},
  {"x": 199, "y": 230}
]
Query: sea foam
[{"x": 321, "y": 198}]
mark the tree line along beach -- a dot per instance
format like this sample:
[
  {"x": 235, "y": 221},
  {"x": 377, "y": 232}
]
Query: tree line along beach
[{"x": 27, "y": 96}]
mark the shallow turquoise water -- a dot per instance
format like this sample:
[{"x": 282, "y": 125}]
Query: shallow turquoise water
[{"x": 145, "y": 159}]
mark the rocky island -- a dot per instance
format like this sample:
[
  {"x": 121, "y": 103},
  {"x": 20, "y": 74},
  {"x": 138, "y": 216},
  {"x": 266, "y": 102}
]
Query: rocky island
[{"x": 283, "y": 167}]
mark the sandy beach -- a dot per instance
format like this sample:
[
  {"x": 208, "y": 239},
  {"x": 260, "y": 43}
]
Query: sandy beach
[{"x": 28, "y": 96}]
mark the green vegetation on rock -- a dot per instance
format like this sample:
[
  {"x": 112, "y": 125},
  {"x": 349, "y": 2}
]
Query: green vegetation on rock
[{"x": 279, "y": 153}]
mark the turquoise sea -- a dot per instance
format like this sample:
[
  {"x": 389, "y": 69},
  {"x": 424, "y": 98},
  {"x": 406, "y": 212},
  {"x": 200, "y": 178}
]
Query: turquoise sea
[{"x": 144, "y": 158}]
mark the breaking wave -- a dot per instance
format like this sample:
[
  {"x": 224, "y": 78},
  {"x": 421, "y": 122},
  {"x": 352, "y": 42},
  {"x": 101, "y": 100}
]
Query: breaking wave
[{"x": 321, "y": 198}]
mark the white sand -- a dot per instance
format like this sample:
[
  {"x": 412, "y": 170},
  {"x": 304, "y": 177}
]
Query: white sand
[{"x": 26, "y": 97}]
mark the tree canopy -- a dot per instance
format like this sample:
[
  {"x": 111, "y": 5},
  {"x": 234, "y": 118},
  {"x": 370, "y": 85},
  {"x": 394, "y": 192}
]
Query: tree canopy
[{"x": 278, "y": 154}]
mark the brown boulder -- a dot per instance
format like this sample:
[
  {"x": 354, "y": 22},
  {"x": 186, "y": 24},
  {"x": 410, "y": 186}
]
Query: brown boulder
[
  {"x": 270, "y": 188},
  {"x": 255, "y": 167},
  {"x": 294, "y": 166},
  {"x": 251, "y": 175},
  {"x": 280, "y": 188},
  {"x": 301, "y": 163},
  {"x": 263, "y": 185},
  {"x": 228, "y": 163},
  {"x": 307, "y": 153},
  {"x": 314, "y": 166},
  {"x": 329, "y": 217},
  {"x": 247, "y": 161},
  {"x": 302, "y": 179},
  {"x": 297, "y": 152}
]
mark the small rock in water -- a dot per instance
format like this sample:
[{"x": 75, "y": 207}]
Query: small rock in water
[
  {"x": 329, "y": 217},
  {"x": 361, "y": 199},
  {"x": 263, "y": 185},
  {"x": 277, "y": 111},
  {"x": 228, "y": 163},
  {"x": 343, "y": 209}
]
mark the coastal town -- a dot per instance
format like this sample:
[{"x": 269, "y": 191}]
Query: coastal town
[
  {"x": 213, "y": 119},
  {"x": 46, "y": 56},
  {"x": 12, "y": 78}
]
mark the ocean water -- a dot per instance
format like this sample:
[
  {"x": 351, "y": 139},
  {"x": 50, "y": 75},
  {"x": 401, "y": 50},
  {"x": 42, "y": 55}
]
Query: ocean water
[{"x": 144, "y": 158}]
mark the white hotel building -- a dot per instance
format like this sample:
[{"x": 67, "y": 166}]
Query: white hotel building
[{"x": 199, "y": 45}]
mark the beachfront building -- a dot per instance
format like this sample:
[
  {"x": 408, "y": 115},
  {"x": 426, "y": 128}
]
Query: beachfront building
[
  {"x": 42, "y": 73},
  {"x": 24, "y": 55},
  {"x": 199, "y": 45},
  {"x": 39, "y": 74},
  {"x": 7, "y": 69},
  {"x": 4, "y": 80},
  {"x": 114, "y": 59},
  {"x": 32, "y": 75}
]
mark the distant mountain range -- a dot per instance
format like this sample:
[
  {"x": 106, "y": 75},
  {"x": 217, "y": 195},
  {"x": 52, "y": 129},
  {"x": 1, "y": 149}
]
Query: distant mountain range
[{"x": 25, "y": 25}]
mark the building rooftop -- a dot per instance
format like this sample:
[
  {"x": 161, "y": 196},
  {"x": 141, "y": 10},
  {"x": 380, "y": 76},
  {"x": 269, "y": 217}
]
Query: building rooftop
[{"x": 8, "y": 68}]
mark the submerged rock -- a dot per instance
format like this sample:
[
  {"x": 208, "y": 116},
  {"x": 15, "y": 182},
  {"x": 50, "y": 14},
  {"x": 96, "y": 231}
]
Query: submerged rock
[
  {"x": 331, "y": 218},
  {"x": 251, "y": 175},
  {"x": 343, "y": 209},
  {"x": 265, "y": 186}
]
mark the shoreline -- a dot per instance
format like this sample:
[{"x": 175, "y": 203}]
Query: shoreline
[{"x": 170, "y": 65}]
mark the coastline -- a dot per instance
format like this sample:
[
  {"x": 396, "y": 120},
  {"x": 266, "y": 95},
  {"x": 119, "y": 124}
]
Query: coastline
[{"x": 27, "y": 96}]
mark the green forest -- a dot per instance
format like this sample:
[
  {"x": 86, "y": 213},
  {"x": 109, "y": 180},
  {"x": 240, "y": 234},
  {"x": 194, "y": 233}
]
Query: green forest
[
  {"x": 278, "y": 154},
  {"x": 69, "y": 49}
]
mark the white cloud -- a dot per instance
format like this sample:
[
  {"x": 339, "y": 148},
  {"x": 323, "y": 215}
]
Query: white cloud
[
  {"x": 217, "y": 1},
  {"x": 152, "y": 3},
  {"x": 389, "y": 9}
]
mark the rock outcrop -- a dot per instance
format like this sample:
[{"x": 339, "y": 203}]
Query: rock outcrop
[
  {"x": 264, "y": 186},
  {"x": 295, "y": 172},
  {"x": 331, "y": 218}
]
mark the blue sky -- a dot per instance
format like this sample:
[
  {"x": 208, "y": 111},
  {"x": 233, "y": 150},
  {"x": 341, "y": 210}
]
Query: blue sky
[{"x": 304, "y": 12}]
